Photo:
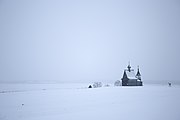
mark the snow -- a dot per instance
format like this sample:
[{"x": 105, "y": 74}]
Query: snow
[
  {"x": 77, "y": 102},
  {"x": 131, "y": 74}
]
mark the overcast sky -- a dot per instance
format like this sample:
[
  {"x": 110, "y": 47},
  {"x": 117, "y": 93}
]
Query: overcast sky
[{"x": 89, "y": 40}]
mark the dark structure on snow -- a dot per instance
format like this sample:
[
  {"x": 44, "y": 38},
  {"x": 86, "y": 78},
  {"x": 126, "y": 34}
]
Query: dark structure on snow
[
  {"x": 89, "y": 86},
  {"x": 130, "y": 79}
]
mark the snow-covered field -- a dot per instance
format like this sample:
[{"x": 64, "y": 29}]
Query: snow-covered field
[{"x": 77, "y": 102}]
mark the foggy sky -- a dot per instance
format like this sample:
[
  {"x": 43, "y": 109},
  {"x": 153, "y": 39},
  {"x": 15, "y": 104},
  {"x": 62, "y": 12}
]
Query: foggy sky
[{"x": 88, "y": 40}]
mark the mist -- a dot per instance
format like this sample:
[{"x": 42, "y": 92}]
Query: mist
[{"x": 56, "y": 41}]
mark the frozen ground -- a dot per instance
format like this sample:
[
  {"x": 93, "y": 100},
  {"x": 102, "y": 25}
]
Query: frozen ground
[{"x": 76, "y": 102}]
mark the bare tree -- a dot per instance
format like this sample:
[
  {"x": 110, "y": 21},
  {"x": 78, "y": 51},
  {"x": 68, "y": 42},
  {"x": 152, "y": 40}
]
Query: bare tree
[
  {"x": 117, "y": 83},
  {"x": 97, "y": 84}
]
